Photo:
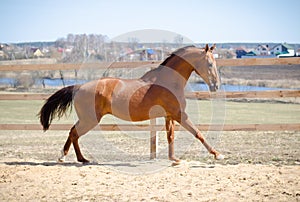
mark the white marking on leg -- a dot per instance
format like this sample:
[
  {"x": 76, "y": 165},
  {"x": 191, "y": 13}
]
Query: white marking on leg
[
  {"x": 63, "y": 157},
  {"x": 220, "y": 157}
]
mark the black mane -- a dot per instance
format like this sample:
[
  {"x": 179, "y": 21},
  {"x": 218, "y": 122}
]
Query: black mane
[
  {"x": 152, "y": 74},
  {"x": 176, "y": 53}
]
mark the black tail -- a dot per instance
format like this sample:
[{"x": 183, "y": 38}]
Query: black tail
[{"x": 56, "y": 105}]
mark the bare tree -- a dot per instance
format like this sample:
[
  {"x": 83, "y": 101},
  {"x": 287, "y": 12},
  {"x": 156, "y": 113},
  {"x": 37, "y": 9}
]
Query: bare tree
[
  {"x": 70, "y": 39},
  {"x": 178, "y": 40}
]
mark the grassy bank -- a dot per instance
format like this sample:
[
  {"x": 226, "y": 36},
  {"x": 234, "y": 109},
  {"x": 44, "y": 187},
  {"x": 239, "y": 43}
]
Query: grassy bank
[
  {"x": 199, "y": 111},
  {"x": 279, "y": 76}
]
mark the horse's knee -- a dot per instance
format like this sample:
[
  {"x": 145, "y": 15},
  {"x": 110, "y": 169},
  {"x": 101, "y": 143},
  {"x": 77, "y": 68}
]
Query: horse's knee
[
  {"x": 170, "y": 136},
  {"x": 73, "y": 134},
  {"x": 200, "y": 137}
]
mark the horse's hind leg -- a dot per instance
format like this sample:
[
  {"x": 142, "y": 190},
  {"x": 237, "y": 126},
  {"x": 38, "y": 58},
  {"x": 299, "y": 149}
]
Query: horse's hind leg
[
  {"x": 65, "y": 150},
  {"x": 72, "y": 138},
  {"x": 79, "y": 129}
]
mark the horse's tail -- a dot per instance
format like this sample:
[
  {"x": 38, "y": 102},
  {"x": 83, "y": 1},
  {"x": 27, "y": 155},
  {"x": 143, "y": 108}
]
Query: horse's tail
[{"x": 56, "y": 105}]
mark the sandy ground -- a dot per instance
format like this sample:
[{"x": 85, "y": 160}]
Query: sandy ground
[
  {"x": 24, "y": 181},
  {"x": 29, "y": 172}
]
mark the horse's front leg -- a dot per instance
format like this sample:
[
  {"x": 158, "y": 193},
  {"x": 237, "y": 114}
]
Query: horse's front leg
[
  {"x": 170, "y": 136},
  {"x": 188, "y": 125}
]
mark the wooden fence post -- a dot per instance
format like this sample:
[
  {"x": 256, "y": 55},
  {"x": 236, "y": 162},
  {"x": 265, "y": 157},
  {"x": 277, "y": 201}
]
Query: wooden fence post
[{"x": 153, "y": 139}]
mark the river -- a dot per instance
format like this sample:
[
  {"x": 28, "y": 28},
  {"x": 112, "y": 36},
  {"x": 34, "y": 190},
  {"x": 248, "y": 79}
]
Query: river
[{"x": 190, "y": 86}]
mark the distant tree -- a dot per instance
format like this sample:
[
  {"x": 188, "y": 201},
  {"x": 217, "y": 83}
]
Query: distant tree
[
  {"x": 178, "y": 40},
  {"x": 54, "y": 53},
  {"x": 83, "y": 47},
  {"x": 60, "y": 43},
  {"x": 70, "y": 39},
  {"x": 133, "y": 42}
]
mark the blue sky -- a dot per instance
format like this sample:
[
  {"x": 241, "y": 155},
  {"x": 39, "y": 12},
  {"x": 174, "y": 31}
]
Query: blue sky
[{"x": 199, "y": 20}]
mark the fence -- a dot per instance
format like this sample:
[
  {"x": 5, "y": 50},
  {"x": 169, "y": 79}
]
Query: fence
[
  {"x": 153, "y": 127},
  {"x": 104, "y": 65}
]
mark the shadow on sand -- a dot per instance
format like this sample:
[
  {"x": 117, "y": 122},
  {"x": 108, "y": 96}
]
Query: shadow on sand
[{"x": 18, "y": 163}]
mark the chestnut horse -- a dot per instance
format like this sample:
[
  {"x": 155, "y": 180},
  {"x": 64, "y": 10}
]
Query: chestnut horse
[{"x": 158, "y": 93}]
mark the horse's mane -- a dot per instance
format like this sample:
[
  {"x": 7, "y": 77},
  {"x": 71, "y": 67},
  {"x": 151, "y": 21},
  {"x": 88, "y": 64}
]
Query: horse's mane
[
  {"x": 177, "y": 52},
  {"x": 152, "y": 73}
]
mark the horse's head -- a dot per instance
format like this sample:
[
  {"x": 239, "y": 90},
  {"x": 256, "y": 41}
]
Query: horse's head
[
  {"x": 201, "y": 61},
  {"x": 205, "y": 66}
]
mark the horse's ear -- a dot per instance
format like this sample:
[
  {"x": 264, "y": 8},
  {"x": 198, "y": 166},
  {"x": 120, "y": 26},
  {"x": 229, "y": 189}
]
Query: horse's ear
[
  {"x": 206, "y": 48},
  {"x": 213, "y": 47}
]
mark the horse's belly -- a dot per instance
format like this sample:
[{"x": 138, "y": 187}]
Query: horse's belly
[
  {"x": 138, "y": 113},
  {"x": 135, "y": 101},
  {"x": 131, "y": 109}
]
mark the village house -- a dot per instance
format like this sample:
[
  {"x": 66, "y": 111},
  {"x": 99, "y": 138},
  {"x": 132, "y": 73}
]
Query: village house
[
  {"x": 240, "y": 52},
  {"x": 262, "y": 50},
  {"x": 3, "y": 55},
  {"x": 298, "y": 52},
  {"x": 282, "y": 50},
  {"x": 36, "y": 52}
]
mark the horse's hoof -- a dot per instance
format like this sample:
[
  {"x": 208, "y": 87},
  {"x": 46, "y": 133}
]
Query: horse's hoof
[
  {"x": 219, "y": 157},
  {"x": 61, "y": 159},
  {"x": 176, "y": 163},
  {"x": 175, "y": 160},
  {"x": 84, "y": 161}
]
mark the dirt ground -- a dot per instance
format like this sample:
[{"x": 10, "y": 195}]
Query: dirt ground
[{"x": 259, "y": 166}]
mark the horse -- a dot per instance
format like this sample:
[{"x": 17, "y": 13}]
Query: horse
[{"x": 158, "y": 93}]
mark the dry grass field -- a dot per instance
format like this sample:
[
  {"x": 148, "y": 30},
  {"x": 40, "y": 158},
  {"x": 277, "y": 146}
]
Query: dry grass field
[{"x": 280, "y": 76}]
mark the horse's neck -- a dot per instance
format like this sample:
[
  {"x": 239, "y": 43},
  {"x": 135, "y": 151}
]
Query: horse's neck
[{"x": 176, "y": 70}]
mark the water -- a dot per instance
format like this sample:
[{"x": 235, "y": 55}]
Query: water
[
  {"x": 190, "y": 86},
  {"x": 59, "y": 82},
  {"x": 228, "y": 87},
  {"x": 8, "y": 81}
]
